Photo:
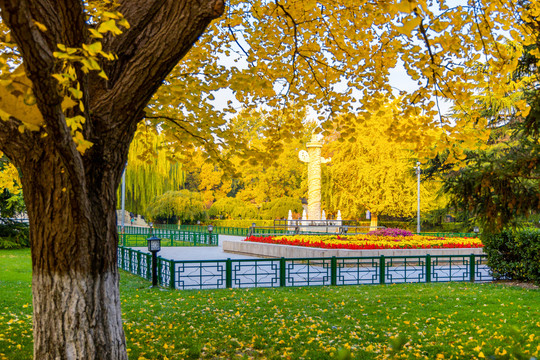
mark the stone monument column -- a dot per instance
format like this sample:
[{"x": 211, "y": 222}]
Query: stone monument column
[{"x": 313, "y": 157}]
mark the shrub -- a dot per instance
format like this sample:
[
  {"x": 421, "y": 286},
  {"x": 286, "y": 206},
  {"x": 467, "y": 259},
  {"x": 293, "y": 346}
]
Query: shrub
[
  {"x": 390, "y": 232},
  {"x": 279, "y": 208},
  {"x": 174, "y": 206},
  {"x": 514, "y": 254},
  {"x": 14, "y": 235},
  {"x": 232, "y": 208}
]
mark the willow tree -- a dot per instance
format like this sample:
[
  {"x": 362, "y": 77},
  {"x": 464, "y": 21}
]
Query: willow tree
[
  {"x": 151, "y": 169},
  {"x": 78, "y": 76}
]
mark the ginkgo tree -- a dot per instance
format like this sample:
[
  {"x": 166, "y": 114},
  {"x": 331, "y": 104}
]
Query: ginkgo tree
[
  {"x": 278, "y": 136},
  {"x": 375, "y": 172},
  {"x": 78, "y": 76},
  {"x": 10, "y": 189},
  {"x": 9, "y": 176}
]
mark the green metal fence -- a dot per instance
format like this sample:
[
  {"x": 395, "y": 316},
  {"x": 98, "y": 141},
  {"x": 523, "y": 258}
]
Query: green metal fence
[
  {"x": 236, "y": 231},
  {"x": 258, "y": 231},
  {"x": 278, "y": 229},
  {"x": 222, "y": 230},
  {"x": 287, "y": 272},
  {"x": 136, "y": 237},
  {"x": 135, "y": 262}
]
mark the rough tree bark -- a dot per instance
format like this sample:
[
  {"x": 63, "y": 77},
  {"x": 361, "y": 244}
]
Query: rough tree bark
[{"x": 71, "y": 198}]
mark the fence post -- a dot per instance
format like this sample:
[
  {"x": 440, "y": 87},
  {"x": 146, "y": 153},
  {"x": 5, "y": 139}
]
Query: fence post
[
  {"x": 472, "y": 269},
  {"x": 148, "y": 266},
  {"x": 428, "y": 268},
  {"x": 121, "y": 259},
  {"x": 333, "y": 271},
  {"x": 282, "y": 272},
  {"x": 382, "y": 271},
  {"x": 160, "y": 271},
  {"x": 172, "y": 280},
  {"x": 139, "y": 263},
  {"x": 228, "y": 273},
  {"x": 130, "y": 260}
]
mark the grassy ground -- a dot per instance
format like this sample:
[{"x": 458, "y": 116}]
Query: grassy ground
[{"x": 431, "y": 321}]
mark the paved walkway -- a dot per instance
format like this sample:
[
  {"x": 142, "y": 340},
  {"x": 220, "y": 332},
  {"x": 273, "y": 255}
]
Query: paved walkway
[{"x": 200, "y": 252}]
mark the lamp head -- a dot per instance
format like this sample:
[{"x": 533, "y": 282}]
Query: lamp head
[{"x": 154, "y": 244}]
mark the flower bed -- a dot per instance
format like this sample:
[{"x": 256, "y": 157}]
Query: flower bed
[{"x": 368, "y": 242}]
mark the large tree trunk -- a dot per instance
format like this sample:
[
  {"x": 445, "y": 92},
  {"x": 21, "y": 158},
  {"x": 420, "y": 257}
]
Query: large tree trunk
[{"x": 75, "y": 276}]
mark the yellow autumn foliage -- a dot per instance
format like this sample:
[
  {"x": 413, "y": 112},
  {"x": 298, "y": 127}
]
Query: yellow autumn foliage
[
  {"x": 375, "y": 171},
  {"x": 9, "y": 178}
]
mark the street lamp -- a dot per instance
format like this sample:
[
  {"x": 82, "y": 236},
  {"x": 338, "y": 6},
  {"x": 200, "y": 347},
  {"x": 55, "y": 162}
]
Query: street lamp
[
  {"x": 210, "y": 229},
  {"x": 418, "y": 196},
  {"x": 154, "y": 245}
]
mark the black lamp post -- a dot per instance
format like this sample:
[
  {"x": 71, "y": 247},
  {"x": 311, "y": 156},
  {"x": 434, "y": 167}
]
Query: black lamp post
[
  {"x": 210, "y": 228},
  {"x": 252, "y": 230},
  {"x": 154, "y": 245}
]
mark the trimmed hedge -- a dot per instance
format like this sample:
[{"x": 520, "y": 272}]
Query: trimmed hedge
[
  {"x": 514, "y": 254},
  {"x": 241, "y": 223}
]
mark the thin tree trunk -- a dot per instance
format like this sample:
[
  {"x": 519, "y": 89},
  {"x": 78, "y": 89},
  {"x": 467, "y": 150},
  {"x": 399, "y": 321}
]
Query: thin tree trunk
[
  {"x": 75, "y": 276},
  {"x": 374, "y": 222}
]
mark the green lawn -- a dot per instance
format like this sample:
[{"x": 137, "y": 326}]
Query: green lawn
[{"x": 457, "y": 320}]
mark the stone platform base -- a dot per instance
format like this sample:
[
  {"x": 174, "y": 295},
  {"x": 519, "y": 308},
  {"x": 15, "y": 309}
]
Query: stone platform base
[{"x": 288, "y": 251}]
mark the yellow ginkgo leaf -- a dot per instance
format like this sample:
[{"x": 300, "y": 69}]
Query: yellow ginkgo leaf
[
  {"x": 409, "y": 25},
  {"x": 40, "y": 26}
]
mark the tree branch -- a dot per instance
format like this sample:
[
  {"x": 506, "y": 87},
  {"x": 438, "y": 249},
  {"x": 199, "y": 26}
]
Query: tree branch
[
  {"x": 13, "y": 143},
  {"x": 162, "y": 33}
]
